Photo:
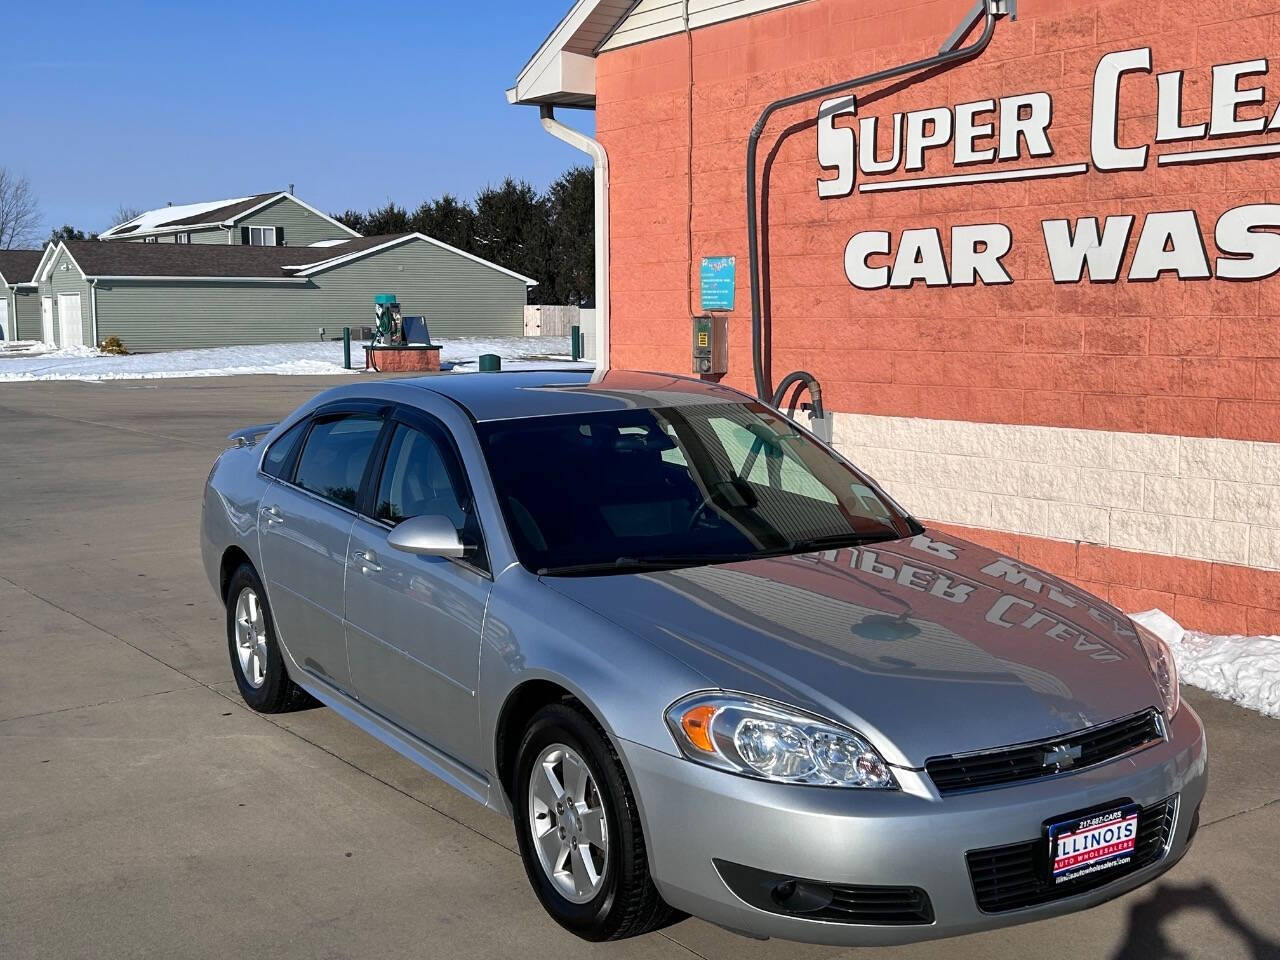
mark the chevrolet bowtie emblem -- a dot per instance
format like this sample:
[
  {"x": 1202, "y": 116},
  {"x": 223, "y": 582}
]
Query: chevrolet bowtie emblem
[{"x": 1061, "y": 757}]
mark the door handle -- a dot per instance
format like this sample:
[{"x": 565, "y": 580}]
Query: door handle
[
  {"x": 368, "y": 561},
  {"x": 272, "y": 515}
]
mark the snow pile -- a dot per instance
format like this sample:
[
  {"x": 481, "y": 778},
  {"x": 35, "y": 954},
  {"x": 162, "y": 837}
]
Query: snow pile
[
  {"x": 1243, "y": 669},
  {"x": 42, "y": 362},
  {"x": 13, "y": 348}
]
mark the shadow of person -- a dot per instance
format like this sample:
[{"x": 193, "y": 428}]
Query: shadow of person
[{"x": 1147, "y": 940}]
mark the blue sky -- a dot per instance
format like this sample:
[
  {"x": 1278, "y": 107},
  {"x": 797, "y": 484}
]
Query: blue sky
[{"x": 141, "y": 103}]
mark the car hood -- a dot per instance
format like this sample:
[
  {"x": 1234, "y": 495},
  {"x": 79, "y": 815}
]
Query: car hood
[{"x": 930, "y": 645}]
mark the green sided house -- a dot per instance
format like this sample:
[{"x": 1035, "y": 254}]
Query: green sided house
[
  {"x": 19, "y": 303},
  {"x": 165, "y": 296},
  {"x": 266, "y": 219}
]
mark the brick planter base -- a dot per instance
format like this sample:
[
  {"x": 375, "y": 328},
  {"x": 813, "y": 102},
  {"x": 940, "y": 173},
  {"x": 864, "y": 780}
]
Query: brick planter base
[{"x": 410, "y": 359}]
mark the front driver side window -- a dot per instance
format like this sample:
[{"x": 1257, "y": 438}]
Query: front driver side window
[
  {"x": 422, "y": 477},
  {"x": 416, "y": 480}
]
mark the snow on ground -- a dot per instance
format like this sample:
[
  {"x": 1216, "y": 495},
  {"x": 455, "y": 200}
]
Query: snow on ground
[
  {"x": 18, "y": 348},
  {"x": 40, "y": 362},
  {"x": 1243, "y": 669}
]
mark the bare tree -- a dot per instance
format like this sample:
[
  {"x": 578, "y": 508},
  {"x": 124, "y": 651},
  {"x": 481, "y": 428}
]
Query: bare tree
[
  {"x": 124, "y": 213},
  {"x": 19, "y": 212}
]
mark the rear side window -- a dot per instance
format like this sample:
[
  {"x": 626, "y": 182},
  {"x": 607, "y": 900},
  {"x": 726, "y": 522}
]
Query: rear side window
[
  {"x": 335, "y": 454},
  {"x": 277, "y": 456}
]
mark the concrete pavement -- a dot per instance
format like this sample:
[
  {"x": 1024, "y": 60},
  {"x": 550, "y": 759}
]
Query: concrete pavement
[{"x": 145, "y": 812}]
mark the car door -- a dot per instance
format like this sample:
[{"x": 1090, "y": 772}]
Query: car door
[
  {"x": 414, "y": 622},
  {"x": 304, "y": 525}
]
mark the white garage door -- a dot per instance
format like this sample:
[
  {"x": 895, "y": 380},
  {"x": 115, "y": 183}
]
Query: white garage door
[
  {"x": 5, "y": 334},
  {"x": 69, "y": 320}
]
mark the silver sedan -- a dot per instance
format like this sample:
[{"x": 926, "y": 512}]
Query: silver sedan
[{"x": 704, "y": 663}]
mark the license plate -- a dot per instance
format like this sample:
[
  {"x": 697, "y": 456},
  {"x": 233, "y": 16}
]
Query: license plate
[{"x": 1086, "y": 845}]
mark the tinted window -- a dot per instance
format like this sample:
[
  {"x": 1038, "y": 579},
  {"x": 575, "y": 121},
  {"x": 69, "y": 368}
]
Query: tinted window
[
  {"x": 417, "y": 480},
  {"x": 335, "y": 454},
  {"x": 421, "y": 476},
  {"x": 694, "y": 483},
  {"x": 277, "y": 455}
]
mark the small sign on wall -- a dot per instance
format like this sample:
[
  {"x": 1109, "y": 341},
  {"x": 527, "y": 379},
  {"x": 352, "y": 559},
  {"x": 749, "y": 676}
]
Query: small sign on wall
[{"x": 718, "y": 280}]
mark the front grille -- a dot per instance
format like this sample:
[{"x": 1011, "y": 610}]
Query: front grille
[
  {"x": 993, "y": 768},
  {"x": 818, "y": 900},
  {"x": 1006, "y": 878}
]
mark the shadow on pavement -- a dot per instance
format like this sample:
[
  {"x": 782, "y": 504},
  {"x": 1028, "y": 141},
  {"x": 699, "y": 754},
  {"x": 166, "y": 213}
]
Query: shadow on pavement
[{"x": 1146, "y": 940}]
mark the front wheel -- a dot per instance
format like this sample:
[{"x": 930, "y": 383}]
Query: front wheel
[{"x": 579, "y": 830}]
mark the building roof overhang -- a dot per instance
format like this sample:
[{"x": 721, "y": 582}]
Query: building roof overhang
[{"x": 562, "y": 72}]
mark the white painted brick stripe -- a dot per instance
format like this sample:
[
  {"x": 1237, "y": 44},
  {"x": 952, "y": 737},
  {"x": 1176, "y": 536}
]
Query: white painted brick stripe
[{"x": 1205, "y": 499}]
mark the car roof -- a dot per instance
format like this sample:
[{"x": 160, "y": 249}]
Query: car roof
[{"x": 539, "y": 393}]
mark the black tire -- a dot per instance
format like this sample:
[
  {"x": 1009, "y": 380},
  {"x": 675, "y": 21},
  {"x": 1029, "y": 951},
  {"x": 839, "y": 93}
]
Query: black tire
[
  {"x": 628, "y": 903},
  {"x": 276, "y": 693}
]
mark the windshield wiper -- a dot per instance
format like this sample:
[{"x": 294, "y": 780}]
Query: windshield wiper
[
  {"x": 650, "y": 564},
  {"x": 835, "y": 541},
  {"x": 620, "y": 565},
  {"x": 678, "y": 560}
]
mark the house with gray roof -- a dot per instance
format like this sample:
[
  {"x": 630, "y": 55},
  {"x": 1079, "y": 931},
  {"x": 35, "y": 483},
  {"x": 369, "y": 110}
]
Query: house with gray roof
[
  {"x": 19, "y": 304},
  {"x": 170, "y": 295},
  {"x": 276, "y": 219}
]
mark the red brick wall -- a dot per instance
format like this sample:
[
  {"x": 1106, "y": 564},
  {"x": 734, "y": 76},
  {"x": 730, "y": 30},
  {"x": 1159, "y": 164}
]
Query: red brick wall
[
  {"x": 1215, "y": 597},
  {"x": 1173, "y": 356},
  {"x": 1177, "y": 357}
]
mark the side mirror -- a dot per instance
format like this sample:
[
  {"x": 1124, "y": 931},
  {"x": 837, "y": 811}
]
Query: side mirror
[{"x": 427, "y": 536}]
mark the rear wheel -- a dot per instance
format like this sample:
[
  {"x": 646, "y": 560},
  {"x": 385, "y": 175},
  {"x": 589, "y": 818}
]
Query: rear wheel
[
  {"x": 256, "y": 660},
  {"x": 579, "y": 830}
]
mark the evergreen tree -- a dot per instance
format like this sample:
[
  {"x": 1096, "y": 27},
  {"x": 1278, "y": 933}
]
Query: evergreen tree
[
  {"x": 389, "y": 219},
  {"x": 448, "y": 220},
  {"x": 513, "y": 228},
  {"x": 572, "y": 203},
  {"x": 548, "y": 237},
  {"x": 68, "y": 232},
  {"x": 351, "y": 218}
]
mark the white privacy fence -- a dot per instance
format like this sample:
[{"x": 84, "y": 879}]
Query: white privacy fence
[{"x": 553, "y": 321}]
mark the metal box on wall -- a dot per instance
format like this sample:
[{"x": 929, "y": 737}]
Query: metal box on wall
[{"x": 711, "y": 344}]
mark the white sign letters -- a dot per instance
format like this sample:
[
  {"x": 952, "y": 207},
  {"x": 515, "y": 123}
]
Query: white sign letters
[{"x": 868, "y": 154}]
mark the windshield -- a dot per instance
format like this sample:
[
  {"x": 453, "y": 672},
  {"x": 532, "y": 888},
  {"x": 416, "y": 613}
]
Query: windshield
[{"x": 674, "y": 486}]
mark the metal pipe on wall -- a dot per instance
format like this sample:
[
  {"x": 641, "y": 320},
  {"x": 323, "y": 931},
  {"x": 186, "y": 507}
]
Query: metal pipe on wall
[
  {"x": 600, "y": 163},
  {"x": 987, "y": 11}
]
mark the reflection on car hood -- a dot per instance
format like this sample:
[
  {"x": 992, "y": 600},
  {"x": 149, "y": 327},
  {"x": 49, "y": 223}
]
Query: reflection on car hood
[{"x": 930, "y": 645}]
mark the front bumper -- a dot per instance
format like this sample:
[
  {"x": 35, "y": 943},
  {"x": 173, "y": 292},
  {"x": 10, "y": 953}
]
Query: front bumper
[{"x": 694, "y": 815}]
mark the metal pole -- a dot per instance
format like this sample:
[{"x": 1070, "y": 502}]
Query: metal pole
[
  {"x": 985, "y": 11},
  {"x": 346, "y": 348}
]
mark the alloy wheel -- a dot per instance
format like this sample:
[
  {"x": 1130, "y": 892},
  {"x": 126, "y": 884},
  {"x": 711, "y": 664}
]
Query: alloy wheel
[
  {"x": 251, "y": 638},
  {"x": 568, "y": 823}
]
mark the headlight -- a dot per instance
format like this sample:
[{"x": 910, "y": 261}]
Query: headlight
[
  {"x": 1164, "y": 669},
  {"x": 770, "y": 742}
]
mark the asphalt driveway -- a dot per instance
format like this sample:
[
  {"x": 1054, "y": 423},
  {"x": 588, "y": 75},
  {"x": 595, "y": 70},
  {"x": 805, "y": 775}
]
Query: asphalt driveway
[{"x": 145, "y": 812}]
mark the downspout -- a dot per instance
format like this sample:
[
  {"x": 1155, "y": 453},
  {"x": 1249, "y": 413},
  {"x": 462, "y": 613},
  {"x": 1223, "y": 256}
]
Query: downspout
[
  {"x": 985, "y": 11},
  {"x": 93, "y": 311},
  {"x": 600, "y": 163}
]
